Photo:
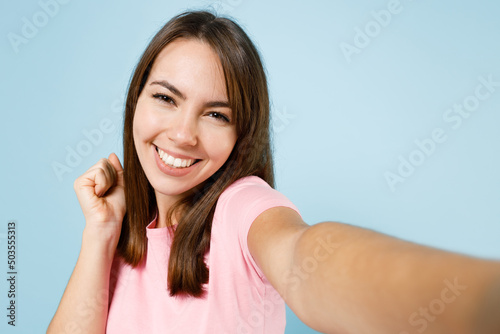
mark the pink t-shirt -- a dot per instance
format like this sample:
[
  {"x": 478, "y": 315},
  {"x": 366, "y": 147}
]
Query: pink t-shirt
[{"x": 239, "y": 298}]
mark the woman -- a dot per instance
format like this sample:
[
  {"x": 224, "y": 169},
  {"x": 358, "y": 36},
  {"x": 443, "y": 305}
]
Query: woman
[{"x": 190, "y": 237}]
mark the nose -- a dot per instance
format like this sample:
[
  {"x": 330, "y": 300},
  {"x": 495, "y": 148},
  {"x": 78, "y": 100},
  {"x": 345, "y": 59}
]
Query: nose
[{"x": 183, "y": 130}]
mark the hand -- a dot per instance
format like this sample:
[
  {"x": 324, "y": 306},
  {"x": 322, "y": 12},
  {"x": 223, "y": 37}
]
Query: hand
[{"x": 101, "y": 193}]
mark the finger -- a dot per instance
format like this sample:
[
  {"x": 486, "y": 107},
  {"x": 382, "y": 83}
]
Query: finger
[
  {"x": 102, "y": 180},
  {"x": 104, "y": 166},
  {"x": 115, "y": 162},
  {"x": 104, "y": 177},
  {"x": 92, "y": 182}
]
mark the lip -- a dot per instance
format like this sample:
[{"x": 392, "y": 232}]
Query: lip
[{"x": 166, "y": 169}]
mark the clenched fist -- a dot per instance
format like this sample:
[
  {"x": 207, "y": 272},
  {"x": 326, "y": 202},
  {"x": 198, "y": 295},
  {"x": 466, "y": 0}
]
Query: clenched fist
[{"x": 100, "y": 191}]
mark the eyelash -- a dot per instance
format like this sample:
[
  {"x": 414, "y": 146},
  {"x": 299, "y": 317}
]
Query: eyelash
[
  {"x": 167, "y": 99},
  {"x": 219, "y": 116},
  {"x": 164, "y": 98}
]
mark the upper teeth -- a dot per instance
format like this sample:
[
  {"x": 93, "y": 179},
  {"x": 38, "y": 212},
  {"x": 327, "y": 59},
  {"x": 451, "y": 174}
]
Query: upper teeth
[{"x": 174, "y": 162}]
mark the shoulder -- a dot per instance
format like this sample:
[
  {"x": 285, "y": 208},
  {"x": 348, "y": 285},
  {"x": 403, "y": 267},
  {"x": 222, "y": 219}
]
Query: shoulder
[
  {"x": 249, "y": 191},
  {"x": 246, "y": 183},
  {"x": 244, "y": 200},
  {"x": 240, "y": 206}
]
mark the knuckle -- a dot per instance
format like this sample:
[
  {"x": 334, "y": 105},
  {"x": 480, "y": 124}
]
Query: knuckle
[
  {"x": 78, "y": 181},
  {"x": 100, "y": 170},
  {"x": 102, "y": 162},
  {"x": 101, "y": 174}
]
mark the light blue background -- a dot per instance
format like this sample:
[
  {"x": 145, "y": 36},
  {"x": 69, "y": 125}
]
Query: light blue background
[{"x": 340, "y": 125}]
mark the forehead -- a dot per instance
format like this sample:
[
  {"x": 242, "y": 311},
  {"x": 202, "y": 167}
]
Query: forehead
[{"x": 190, "y": 64}]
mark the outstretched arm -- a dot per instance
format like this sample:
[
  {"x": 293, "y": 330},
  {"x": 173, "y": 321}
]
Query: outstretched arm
[{"x": 340, "y": 278}]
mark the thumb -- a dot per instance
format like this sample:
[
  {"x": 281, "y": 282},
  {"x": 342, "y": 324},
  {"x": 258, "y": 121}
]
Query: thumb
[{"x": 115, "y": 162}]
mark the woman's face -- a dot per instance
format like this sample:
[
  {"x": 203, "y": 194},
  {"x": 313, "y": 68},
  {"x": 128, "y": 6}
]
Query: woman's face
[{"x": 183, "y": 126}]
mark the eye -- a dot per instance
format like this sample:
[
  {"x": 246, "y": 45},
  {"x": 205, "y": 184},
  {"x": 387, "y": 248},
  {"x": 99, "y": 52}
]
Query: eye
[
  {"x": 164, "y": 98},
  {"x": 219, "y": 116}
]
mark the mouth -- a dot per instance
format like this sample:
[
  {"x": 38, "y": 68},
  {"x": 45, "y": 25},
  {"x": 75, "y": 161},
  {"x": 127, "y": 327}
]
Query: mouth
[{"x": 173, "y": 161}]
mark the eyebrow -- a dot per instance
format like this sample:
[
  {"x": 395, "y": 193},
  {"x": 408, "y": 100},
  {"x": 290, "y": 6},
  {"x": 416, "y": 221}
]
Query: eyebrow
[
  {"x": 174, "y": 90},
  {"x": 170, "y": 87}
]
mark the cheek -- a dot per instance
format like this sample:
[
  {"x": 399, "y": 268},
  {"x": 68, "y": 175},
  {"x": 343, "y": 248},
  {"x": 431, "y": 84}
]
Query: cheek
[
  {"x": 226, "y": 144},
  {"x": 217, "y": 143},
  {"x": 142, "y": 130},
  {"x": 143, "y": 125}
]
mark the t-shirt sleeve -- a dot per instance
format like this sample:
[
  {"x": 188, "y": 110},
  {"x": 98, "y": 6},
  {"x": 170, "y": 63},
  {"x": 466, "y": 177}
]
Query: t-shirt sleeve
[{"x": 242, "y": 203}]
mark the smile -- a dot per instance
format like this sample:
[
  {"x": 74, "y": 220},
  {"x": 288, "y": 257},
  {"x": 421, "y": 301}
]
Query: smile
[{"x": 174, "y": 162}]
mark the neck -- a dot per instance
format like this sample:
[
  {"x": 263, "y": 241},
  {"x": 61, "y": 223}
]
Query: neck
[{"x": 164, "y": 204}]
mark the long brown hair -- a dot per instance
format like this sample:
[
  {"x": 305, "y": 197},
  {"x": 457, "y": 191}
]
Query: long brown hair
[{"x": 248, "y": 97}]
